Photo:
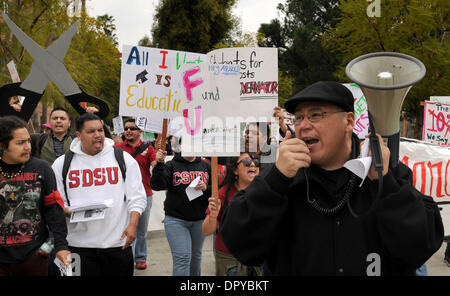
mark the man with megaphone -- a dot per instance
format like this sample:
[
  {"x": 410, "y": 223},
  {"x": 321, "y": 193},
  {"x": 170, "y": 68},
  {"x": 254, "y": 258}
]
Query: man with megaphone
[{"x": 307, "y": 214}]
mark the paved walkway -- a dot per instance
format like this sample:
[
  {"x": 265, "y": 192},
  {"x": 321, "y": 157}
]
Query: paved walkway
[{"x": 159, "y": 260}]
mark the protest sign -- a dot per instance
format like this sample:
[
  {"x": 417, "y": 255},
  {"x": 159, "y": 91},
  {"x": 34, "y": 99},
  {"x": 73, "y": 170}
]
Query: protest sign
[
  {"x": 151, "y": 83},
  {"x": 431, "y": 168},
  {"x": 14, "y": 76},
  {"x": 258, "y": 79},
  {"x": 236, "y": 85},
  {"x": 212, "y": 100},
  {"x": 436, "y": 123},
  {"x": 440, "y": 99},
  {"x": 118, "y": 125},
  {"x": 141, "y": 123},
  {"x": 430, "y": 165},
  {"x": 361, "y": 115}
]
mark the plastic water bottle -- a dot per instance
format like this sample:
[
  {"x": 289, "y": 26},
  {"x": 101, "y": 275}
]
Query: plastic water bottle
[{"x": 45, "y": 249}]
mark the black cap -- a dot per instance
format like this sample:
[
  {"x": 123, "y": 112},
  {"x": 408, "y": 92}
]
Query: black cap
[{"x": 323, "y": 91}]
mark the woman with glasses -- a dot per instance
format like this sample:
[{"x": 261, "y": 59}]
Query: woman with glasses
[{"x": 240, "y": 172}]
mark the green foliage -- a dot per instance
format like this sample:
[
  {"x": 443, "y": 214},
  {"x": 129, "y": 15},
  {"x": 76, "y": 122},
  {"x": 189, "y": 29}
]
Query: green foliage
[
  {"x": 285, "y": 84},
  {"x": 145, "y": 41},
  {"x": 195, "y": 25},
  {"x": 414, "y": 27},
  {"x": 92, "y": 60},
  {"x": 302, "y": 57},
  {"x": 106, "y": 24}
]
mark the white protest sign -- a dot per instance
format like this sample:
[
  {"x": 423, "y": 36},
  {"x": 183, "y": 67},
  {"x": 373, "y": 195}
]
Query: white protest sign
[
  {"x": 361, "y": 115},
  {"x": 436, "y": 123},
  {"x": 212, "y": 100},
  {"x": 141, "y": 122},
  {"x": 118, "y": 125},
  {"x": 258, "y": 68},
  {"x": 430, "y": 166},
  {"x": 190, "y": 190},
  {"x": 14, "y": 76},
  {"x": 151, "y": 84},
  {"x": 431, "y": 172}
]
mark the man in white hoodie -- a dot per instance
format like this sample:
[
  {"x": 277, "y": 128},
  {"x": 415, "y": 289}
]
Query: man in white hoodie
[{"x": 94, "y": 176}]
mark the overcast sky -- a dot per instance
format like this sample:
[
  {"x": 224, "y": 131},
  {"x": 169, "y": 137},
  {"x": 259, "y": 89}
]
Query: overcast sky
[{"x": 134, "y": 18}]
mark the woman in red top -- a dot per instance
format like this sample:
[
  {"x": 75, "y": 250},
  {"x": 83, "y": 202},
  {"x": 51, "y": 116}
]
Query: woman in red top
[{"x": 240, "y": 172}]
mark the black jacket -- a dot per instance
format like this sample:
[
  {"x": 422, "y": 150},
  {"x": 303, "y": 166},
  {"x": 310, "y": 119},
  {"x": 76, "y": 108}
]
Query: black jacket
[
  {"x": 271, "y": 222},
  {"x": 175, "y": 176}
]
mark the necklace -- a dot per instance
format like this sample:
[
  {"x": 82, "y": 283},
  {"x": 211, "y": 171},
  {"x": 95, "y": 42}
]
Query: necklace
[{"x": 12, "y": 175}]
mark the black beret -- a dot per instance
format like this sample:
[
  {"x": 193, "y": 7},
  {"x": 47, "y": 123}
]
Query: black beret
[{"x": 323, "y": 91}]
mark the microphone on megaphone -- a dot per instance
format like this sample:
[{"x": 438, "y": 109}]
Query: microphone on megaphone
[{"x": 385, "y": 79}]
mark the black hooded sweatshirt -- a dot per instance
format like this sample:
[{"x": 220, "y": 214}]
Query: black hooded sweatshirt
[{"x": 175, "y": 176}]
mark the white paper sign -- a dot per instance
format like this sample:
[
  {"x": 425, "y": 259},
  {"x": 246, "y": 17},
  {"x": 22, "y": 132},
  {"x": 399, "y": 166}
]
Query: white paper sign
[
  {"x": 210, "y": 125},
  {"x": 118, "y": 125},
  {"x": 151, "y": 83},
  {"x": 361, "y": 166},
  {"x": 436, "y": 123},
  {"x": 361, "y": 127},
  {"x": 87, "y": 215},
  {"x": 89, "y": 211},
  {"x": 141, "y": 122},
  {"x": 14, "y": 76},
  {"x": 258, "y": 79},
  {"x": 66, "y": 270},
  {"x": 431, "y": 173},
  {"x": 190, "y": 190}
]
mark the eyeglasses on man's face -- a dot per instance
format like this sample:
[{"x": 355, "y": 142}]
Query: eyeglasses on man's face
[
  {"x": 313, "y": 117},
  {"x": 132, "y": 128}
]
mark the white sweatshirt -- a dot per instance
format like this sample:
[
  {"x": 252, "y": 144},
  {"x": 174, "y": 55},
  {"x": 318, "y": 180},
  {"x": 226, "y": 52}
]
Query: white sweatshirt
[{"x": 98, "y": 178}]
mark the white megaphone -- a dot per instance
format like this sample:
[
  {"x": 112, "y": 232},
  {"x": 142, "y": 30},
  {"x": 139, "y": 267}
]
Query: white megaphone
[{"x": 385, "y": 79}]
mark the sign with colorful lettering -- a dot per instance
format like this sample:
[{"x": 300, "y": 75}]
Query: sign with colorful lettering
[
  {"x": 431, "y": 173},
  {"x": 258, "y": 69},
  {"x": 361, "y": 115},
  {"x": 151, "y": 83},
  {"x": 209, "y": 111},
  {"x": 436, "y": 123}
]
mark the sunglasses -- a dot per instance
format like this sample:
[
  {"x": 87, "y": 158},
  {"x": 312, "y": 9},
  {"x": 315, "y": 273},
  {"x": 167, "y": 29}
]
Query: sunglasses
[
  {"x": 132, "y": 128},
  {"x": 247, "y": 162}
]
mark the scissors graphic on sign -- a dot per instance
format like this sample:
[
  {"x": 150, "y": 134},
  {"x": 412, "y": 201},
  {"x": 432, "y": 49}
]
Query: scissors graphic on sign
[{"x": 47, "y": 66}]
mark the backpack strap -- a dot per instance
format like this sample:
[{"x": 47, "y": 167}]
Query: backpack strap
[
  {"x": 42, "y": 140},
  {"x": 67, "y": 160},
  {"x": 140, "y": 149},
  {"x": 118, "y": 153}
]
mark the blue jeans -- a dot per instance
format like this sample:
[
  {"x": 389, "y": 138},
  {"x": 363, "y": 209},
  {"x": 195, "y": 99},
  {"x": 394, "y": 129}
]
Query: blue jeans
[
  {"x": 186, "y": 242},
  {"x": 139, "y": 246}
]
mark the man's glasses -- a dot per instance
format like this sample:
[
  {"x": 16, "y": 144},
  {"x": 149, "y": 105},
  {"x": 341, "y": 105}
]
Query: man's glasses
[
  {"x": 313, "y": 117},
  {"x": 132, "y": 128},
  {"x": 247, "y": 162}
]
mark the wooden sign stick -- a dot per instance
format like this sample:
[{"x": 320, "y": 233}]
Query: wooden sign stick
[
  {"x": 214, "y": 178},
  {"x": 161, "y": 139},
  {"x": 164, "y": 134}
]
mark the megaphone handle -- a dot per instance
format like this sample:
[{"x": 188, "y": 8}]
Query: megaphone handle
[{"x": 375, "y": 147}]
